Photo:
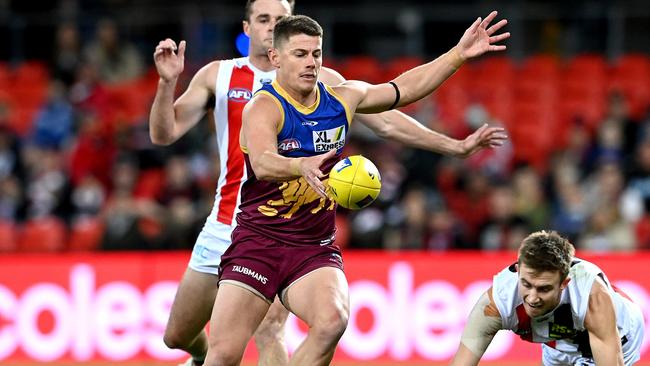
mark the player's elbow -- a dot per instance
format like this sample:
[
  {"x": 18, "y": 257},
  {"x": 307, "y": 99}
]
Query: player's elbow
[
  {"x": 261, "y": 170},
  {"x": 160, "y": 139}
]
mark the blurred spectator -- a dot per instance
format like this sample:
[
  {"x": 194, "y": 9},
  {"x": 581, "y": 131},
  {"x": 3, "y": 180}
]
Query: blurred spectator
[
  {"x": 55, "y": 119},
  {"x": 66, "y": 57},
  {"x": 504, "y": 229},
  {"x": 11, "y": 199},
  {"x": 530, "y": 199},
  {"x": 131, "y": 223},
  {"x": 87, "y": 198},
  {"x": 117, "y": 60},
  {"x": 180, "y": 194},
  {"x": 569, "y": 212},
  {"x": 467, "y": 194},
  {"x": 93, "y": 153},
  {"x": 47, "y": 191},
  {"x": 607, "y": 231}
]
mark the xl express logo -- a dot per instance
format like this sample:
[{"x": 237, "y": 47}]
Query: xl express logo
[
  {"x": 240, "y": 95},
  {"x": 327, "y": 140}
]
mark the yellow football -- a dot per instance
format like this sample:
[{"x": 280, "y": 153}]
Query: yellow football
[{"x": 354, "y": 182}]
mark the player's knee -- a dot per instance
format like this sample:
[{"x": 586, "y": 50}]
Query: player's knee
[
  {"x": 330, "y": 325},
  {"x": 221, "y": 359},
  {"x": 221, "y": 353},
  {"x": 173, "y": 339},
  {"x": 269, "y": 332}
]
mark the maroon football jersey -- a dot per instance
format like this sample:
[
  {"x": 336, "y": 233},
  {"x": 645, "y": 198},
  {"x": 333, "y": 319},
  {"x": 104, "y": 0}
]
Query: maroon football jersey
[{"x": 290, "y": 212}]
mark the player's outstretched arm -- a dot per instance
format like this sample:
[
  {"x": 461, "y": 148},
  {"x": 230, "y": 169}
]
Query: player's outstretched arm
[
  {"x": 421, "y": 81},
  {"x": 600, "y": 322},
  {"x": 482, "y": 325},
  {"x": 168, "y": 121},
  {"x": 395, "y": 125},
  {"x": 261, "y": 121}
]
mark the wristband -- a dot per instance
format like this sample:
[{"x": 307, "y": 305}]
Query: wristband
[
  {"x": 294, "y": 166},
  {"x": 454, "y": 58}
]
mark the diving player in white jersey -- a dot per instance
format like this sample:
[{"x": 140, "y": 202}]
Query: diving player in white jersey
[
  {"x": 230, "y": 83},
  {"x": 565, "y": 303}
]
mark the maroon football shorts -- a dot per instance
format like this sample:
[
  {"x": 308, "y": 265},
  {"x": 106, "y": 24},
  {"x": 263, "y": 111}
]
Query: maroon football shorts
[{"x": 269, "y": 266}]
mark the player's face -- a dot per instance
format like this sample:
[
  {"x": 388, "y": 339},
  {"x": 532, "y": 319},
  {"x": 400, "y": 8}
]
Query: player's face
[
  {"x": 540, "y": 291},
  {"x": 299, "y": 60},
  {"x": 259, "y": 27}
]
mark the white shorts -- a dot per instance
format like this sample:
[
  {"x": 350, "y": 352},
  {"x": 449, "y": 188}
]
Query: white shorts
[
  {"x": 209, "y": 247},
  {"x": 632, "y": 342}
]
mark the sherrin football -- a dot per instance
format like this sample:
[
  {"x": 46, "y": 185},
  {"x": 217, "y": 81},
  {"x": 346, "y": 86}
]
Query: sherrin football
[{"x": 354, "y": 182}]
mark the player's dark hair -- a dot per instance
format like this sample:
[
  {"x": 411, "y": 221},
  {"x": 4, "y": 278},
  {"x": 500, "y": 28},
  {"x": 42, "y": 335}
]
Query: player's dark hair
[
  {"x": 295, "y": 24},
  {"x": 547, "y": 251},
  {"x": 249, "y": 8}
]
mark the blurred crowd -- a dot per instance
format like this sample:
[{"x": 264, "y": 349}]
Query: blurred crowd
[{"x": 78, "y": 171}]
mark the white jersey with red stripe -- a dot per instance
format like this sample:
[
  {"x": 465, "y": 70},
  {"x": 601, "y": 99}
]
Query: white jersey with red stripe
[
  {"x": 562, "y": 331},
  {"x": 236, "y": 82}
]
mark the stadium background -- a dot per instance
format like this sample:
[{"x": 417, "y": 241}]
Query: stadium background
[{"x": 79, "y": 177}]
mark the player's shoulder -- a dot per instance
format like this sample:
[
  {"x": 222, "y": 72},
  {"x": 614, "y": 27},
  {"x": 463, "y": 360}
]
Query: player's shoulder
[
  {"x": 263, "y": 102},
  {"x": 584, "y": 271},
  {"x": 504, "y": 287},
  {"x": 330, "y": 76},
  {"x": 207, "y": 75}
]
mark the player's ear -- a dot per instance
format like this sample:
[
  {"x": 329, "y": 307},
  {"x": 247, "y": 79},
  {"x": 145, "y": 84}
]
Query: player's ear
[
  {"x": 274, "y": 56},
  {"x": 565, "y": 283},
  {"x": 246, "y": 26}
]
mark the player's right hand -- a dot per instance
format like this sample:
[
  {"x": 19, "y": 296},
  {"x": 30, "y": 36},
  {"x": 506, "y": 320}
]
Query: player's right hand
[
  {"x": 169, "y": 59},
  {"x": 310, "y": 170}
]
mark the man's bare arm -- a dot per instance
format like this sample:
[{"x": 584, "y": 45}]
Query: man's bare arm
[
  {"x": 169, "y": 120},
  {"x": 482, "y": 325},
  {"x": 600, "y": 322},
  {"x": 395, "y": 125}
]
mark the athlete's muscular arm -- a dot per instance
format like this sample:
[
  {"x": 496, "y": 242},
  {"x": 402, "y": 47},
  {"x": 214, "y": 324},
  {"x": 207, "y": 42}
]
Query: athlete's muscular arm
[
  {"x": 424, "y": 79},
  {"x": 398, "y": 126},
  {"x": 482, "y": 324},
  {"x": 261, "y": 121},
  {"x": 169, "y": 120},
  {"x": 600, "y": 322}
]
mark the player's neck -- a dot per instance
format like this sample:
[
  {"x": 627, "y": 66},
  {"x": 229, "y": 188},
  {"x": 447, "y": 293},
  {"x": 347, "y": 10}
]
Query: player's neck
[
  {"x": 305, "y": 98},
  {"x": 261, "y": 62}
]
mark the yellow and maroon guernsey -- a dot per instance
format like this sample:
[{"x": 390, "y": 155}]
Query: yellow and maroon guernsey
[{"x": 292, "y": 212}]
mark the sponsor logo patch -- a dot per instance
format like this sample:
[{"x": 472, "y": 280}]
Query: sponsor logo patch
[
  {"x": 327, "y": 140},
  {"x": 240, "y": 95},
  {"x": 288, "y": 145},
  {"x": 251, "y": 273}
]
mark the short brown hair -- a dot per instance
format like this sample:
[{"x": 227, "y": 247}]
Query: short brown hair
[
  {"x": 249, "y": 8},
  {"x": 547, "y": 251},
  {"x": 295, "y": 24}
]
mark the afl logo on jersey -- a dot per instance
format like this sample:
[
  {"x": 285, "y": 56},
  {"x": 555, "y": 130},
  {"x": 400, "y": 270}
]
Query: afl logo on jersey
[
  {"x": 288, "y": 145},
  {"x": 240, "y": 95}
]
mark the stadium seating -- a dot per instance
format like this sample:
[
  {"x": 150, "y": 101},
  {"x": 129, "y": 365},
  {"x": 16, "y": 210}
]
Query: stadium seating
[
  {"x": 8, "y": 236},
  {"x": 43, "y": 235},
  {"x": 86, "y": 234}
]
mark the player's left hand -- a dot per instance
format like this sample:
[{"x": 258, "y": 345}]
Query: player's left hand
[
  {"x": 479, "y": 39},
  {"x": 483, "y": 137}
]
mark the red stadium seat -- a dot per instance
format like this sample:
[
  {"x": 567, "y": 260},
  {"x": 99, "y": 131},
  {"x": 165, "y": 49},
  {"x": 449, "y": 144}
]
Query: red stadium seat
[
  {"x": 540, "y": 66},
  {"x": 398, "y": 65},
  {"x": 495, "y": 67},
  {"x": 33, "y": 73},
  {"x": 587, "y": 64},
  {"x": 631, "y": 76},
  {"x": 43, "y": 235},
  {"x": 86, "y": 234},
  {"x": 363, "y": 68},
  {"x": 8, "y": 236}
]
